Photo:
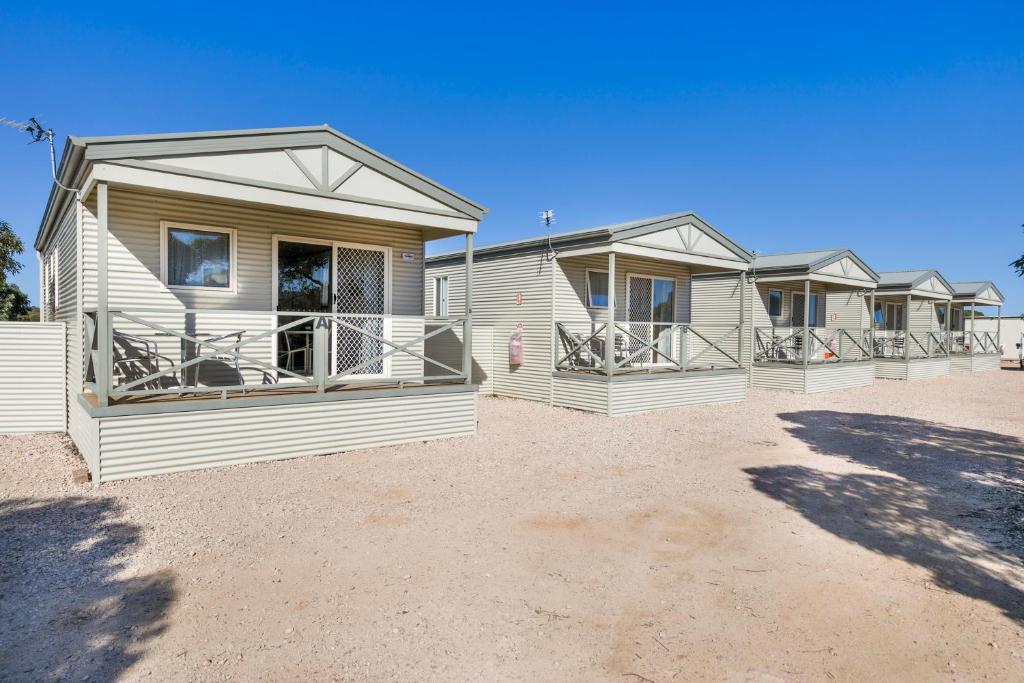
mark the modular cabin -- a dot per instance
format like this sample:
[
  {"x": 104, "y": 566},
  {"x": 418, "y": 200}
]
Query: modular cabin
[
  {"x": 972, "y": 348},
  {"x": 910, "y": 324},
  {"x": 811, "y": 321},
  {"x": 617, "y": 319},
  {"x": 249, "y": 295}
]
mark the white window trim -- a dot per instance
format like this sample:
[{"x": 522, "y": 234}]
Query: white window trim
[
  {"x": 232, "y": 233},
  {"x": 437, "y": 292},
  {"x": 276, "y": 239},
  {"x": 644, "y": 276},
  {"x": 675, "y": 302},
  {"x": 782, "y": 301},
  {"x": 608, "y": 293}
]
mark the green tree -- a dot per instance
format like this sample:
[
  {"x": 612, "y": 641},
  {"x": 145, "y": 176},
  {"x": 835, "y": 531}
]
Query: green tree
[{"x": 14, "y": 303}]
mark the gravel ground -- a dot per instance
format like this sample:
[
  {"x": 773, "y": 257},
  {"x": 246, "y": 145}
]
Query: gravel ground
[{"x": 869, "y": 534}]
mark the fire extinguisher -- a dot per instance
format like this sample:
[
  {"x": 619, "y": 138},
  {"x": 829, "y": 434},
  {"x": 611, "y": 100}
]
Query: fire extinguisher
[{"x": 515, "y": 349}]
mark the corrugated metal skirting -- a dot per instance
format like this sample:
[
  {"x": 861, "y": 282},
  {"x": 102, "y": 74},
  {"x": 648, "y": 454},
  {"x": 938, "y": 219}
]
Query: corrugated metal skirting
[
  {"x": 138, "y": 445},
  {"x": 32, "y": 376}
]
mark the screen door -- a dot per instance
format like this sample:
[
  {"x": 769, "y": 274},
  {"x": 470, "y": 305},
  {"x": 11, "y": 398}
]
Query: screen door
[
  {"x": 651, "y": 311},
  {"x": 361, "y": 301}
]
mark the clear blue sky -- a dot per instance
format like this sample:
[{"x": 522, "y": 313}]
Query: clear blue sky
[{"x": 897, "y": 131}]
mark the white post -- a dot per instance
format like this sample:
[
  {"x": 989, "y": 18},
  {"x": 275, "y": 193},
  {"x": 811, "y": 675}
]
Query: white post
[
  {"x": 609, "y": 331},
  {"x": 906, "y": 334},
  {"x": 743, "y": 297},
  {"x": 104, "y": 349},
  {"x": 467, "y": 329},
  {"x": 973, "y": 340},
  {"x": 999, "y": 338},
  {"x": 871, "y": 326},
  {"x": 807, "y": 321}
]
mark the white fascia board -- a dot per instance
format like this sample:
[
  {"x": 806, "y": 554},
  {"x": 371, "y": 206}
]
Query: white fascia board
[
  {"x": 156, "y": 180},
  {"x": 845, "y": 281},
  {"x": 656, "y": 254}
]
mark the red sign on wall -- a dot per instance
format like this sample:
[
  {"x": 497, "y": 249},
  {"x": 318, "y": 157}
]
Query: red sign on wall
[{"x": 519, "y": 298}]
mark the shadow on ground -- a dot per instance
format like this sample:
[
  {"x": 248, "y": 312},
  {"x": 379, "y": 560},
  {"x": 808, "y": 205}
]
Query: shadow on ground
[
  {"x": 950, "y": 500},
  {"x": 65, "y": 610}
]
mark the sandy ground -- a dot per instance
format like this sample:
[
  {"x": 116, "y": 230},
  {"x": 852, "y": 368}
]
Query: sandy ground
[{"x": 868, "y": 534}]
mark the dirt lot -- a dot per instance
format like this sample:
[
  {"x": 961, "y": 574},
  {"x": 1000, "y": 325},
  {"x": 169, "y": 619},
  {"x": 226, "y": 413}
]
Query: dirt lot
[{"x": 869, "y": 534}]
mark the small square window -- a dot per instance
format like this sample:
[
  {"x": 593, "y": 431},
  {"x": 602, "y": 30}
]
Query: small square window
[
  {"x": 198, "y": 257},
  {"x": 775, "y": 303},
  {"x": 597, "y": 289}
]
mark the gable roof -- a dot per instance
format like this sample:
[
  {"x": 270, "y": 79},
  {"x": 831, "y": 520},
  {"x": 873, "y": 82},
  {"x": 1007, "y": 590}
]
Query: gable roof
[
  {"x": 627, "y": 231},
  {"x": 311, "y": 160},
  {"x": 899, "y": 280},
  {"x": 807, "y": 262},
  {"x": 980, "y": 289}
]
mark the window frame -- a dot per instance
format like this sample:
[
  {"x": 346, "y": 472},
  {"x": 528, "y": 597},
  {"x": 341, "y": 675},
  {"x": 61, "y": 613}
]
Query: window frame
[
  {"x": 232, "y": 234},
  {"x": 812, "y": 309},
  {"x": 438, "y": 279},
  {"x": 779, "y": 315},
  {"x": 607, "y": 293}
]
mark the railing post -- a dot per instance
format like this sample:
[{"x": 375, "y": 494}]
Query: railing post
[
  {"x": 947, "y": 319},
  {"x": 973, "y": 338},
  {"x": 743, "y": 297},
  {"x": 467, "y": 325},
  {"x": 906, "y": 334},
  {"x": 871, "y": 326},
  {"x": 609, "y": 332},
  {"x": 320, "y": 330},
  {"x": 684, "y": 344},
  {"x": 999, "y": 316},
  {"x": 104, "y": 326},
  {"x": 807, "y": 322}
]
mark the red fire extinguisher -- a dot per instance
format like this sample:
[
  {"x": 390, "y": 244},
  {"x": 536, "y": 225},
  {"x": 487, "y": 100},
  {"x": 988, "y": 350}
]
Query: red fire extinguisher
[{"x": 515, "y": 349}]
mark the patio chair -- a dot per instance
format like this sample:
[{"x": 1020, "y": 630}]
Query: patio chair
[
  {"x": 232, "y": 361},
  {"x": 137, "y": 357}
]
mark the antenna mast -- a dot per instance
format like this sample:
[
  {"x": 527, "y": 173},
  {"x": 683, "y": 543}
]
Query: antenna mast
[{"x": 38, "y": 133}]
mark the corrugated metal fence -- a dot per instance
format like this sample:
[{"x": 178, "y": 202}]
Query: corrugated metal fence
[{"x": 32, "y": 378}]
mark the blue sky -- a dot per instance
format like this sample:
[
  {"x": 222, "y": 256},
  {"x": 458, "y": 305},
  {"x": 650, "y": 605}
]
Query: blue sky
[{"x": 897, "y": 131}]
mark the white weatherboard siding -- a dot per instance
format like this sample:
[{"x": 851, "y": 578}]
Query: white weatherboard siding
[
  {"x": 926, "y": 368},
  {"x": 919, "y": 368},
  {"x": 580, "y": 393},
  {"x": 135, "y": 285},
  {"x": 137, "y": 445},
  {"x": 571, "y": 286},
  {"x": 782, "y": 376},
  {"x": 134, "y": 252},
  {"x": 840, "y": 376},
  {"x": 32, "y": 377},
  {"x": 677, "y": 390},
  {"x": 446, "y": 347},
  {"x": 977, "y": 363},
  {"x": 714, "y": 312},
  {"x": 496, "y": 280}
]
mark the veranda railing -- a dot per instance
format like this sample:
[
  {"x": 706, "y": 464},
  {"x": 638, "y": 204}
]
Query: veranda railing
[
  {"x": 821, "y": 345},
  {"x": 155, "y": 353},
  {"x": 645, "y": 345}
]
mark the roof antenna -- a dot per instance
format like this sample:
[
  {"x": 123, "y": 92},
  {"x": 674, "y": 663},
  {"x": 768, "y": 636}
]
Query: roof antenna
[
  {"x": 752, "y": 273},
  {"x": 38, "y": 134},
  {"x": 548, "y": 217}
]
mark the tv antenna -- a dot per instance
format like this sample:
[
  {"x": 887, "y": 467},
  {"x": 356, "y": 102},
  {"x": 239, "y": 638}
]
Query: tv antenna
[
  {"x": 547, "y": 218},
  {"x": 38, "y": 133}
]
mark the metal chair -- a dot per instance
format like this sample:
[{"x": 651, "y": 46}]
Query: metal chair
[{"x": 234, "y": 336}]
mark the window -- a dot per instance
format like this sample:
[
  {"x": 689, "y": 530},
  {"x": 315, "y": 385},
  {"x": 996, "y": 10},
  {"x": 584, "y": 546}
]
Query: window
[
  {"x": 893, "y": 319},
  {"x": 797, "y": 317},
  {"x": 597, "y": 289},
  {"x": 879, "y": 316},
  {"x": 197, "y": 257},
  {"x": 441, "y": 296},
  {"x": 775, "y": 303},
  {"x": 940, "y": 313}
]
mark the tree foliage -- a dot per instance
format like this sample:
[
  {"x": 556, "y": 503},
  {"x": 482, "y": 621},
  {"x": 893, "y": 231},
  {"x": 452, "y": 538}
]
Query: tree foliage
[{"x": 14, "y": 303}]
